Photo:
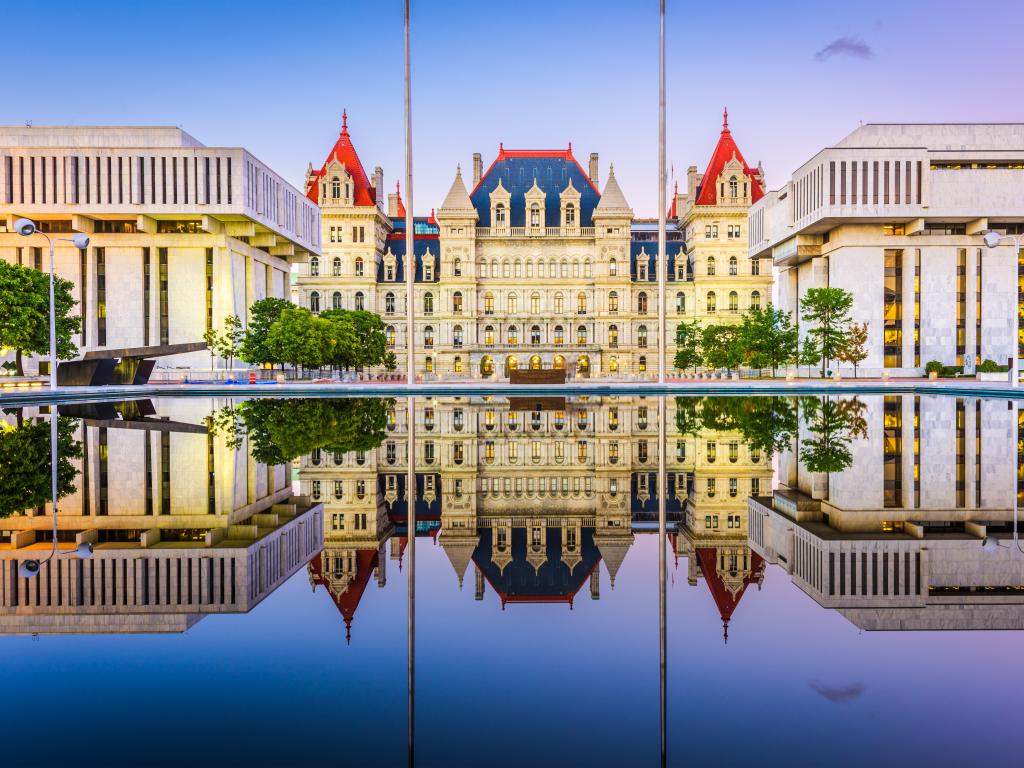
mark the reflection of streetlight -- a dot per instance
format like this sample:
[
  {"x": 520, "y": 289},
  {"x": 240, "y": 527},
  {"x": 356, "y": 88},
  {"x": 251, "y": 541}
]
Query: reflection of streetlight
[
  {"x": 27, "y": 228},
  {"x": 993, "y": 240},
  {"x": 30, "y": 568},
  {"x": 990, "y": 544}
]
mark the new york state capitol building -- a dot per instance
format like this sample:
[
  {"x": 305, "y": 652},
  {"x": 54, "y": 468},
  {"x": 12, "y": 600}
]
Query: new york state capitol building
[{"x": 531, "y": 264}]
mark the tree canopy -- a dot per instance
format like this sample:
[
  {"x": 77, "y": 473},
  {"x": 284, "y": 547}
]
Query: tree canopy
[
  {"x": 829, "y": 310},
  {"x": 25, "y": 313},
  {"x": 25, "y": 463}
]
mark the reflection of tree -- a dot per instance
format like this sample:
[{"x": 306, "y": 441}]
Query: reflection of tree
[
  {"x": 767, "y": 423},
  {"x": 832, "y": 424},
  {"x": 281, "y": 429},
  {"x": 25, "y": 464}
]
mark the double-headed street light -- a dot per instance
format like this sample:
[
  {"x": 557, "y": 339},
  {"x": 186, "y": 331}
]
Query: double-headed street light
[
  {"x": 994, "y": 240},
  {"x": 27, "y": 228}
]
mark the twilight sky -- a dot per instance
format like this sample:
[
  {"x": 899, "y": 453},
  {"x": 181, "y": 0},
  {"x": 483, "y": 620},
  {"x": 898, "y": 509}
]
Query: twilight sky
[{"x": 796, "y": 76}]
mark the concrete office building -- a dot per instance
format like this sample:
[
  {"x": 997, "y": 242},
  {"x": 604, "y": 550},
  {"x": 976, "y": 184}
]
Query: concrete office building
[
  {"x": 182, "y": 235},
  {"x": 894, "y": 214}
]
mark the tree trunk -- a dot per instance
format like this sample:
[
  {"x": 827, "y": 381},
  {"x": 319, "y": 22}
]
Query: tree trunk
[{"x": 19, "y": 368}]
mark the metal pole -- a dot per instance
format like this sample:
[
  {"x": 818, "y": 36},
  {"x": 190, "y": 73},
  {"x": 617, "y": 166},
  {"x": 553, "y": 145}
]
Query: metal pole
[
  {"x": 662, "y": 567},
  {"x": 1015, "y": 373},
  {"x": 410, "y": 498},
  {"x": 53, "y": 470},
  {"x": 53, "y": 340},
  {"x": 410, "y": 247},
  {"x": 662, "y": 256}
]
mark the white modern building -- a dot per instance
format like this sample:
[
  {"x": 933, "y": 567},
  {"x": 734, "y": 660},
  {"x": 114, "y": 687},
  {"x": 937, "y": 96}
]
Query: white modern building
[
  {"x": 182, "y": 235},
  {"x": 894, "y": 214}
]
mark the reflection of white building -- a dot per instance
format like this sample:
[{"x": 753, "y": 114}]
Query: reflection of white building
[
  {"x": 182, "y": 235},
  {"x": 182, "y": 523},
  {"x": 893, "y": 214},
  {"x": 895, "y": 540}
]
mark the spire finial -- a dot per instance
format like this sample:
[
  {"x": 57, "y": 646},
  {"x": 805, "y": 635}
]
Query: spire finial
[
  {"x": 344, "y": 121},
  {"x": 398, "y": 187},
  {"x": 677, "y": 187},
  {"x": 725, "y": 119},
  {"x": 501, "y": 147},
  {"x": 725, "y": 631},
  {"x": 570, "y": 147}
]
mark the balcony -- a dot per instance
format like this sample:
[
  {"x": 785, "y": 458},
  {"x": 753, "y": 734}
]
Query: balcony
[{"x": 534, "y": 232}]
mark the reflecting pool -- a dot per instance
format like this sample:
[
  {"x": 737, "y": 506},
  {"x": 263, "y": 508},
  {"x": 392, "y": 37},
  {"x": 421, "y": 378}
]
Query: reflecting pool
[{"x": 553, "y": 580}]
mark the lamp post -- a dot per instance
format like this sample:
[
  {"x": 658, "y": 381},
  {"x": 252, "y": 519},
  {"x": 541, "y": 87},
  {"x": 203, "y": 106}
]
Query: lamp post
[
  {"x": 27, "y": 228},
  {"x": 410, "y": 226},
  {"x": 990, "y": 544},
  {"x": 994, "y": 240},
  {"x": 662, "y": 255}
]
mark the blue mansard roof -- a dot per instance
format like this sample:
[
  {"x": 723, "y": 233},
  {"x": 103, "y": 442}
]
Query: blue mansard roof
[
  {"x": 421, "y": 244},
  {"x": 641, "y": 251},
  {"x": 553, "y": 169}
]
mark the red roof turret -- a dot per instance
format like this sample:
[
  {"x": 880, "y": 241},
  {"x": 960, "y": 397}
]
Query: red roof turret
[
  {"x": 345, "y": 153},
  {"x": 400, "y": 210},
  {"x": 725, "y": 150}
]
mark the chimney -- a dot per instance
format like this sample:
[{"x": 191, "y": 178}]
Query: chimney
[
  {"x": 692, "y": 181},
  {"x": 392, "y": 204},
  {"x": 479, "y": 591},
  {"x": 478, "y": 168},
  {"x": 378, "y": 185},
  {"x": 593, "y": 167},
  {"x": 595, "y": 577}
]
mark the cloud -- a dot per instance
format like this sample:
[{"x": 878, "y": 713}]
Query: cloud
[
  {"x": 845, "y": 46},
  {"x": 839, "y": 695}
]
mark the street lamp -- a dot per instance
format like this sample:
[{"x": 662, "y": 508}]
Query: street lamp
[
  {"x": 990, "y": 544},
  {"x": 27, "y": 228},
  {"x": 994, "y": 240}
]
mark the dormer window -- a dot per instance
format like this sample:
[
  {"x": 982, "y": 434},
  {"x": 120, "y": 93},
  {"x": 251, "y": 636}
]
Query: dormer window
[
  {"x": 335, "y": 188},
  {"x": 359, "y": 266},
  {"x": 500, "y": 215},
  {"x": 613, "y": 268},
  {"x": 535, "y": 215},
  {"x": 733, "y": 187},
  {"x": 570, "y": 215}
]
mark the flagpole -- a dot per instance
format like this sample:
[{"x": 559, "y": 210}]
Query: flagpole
[
  {"x": 410, "y": 246},
  {"x": 662, "y": 256}
]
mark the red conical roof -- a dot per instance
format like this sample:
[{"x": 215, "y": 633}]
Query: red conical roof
[
  {"x": 400, "y": 210},
  {"x": 724, "y": 152},
  {"x": 725, "y": 599},
  {"x": 364, "y": 194},
  {"x": 672, "y": 209},
  {"x": 348, "y": 601}
]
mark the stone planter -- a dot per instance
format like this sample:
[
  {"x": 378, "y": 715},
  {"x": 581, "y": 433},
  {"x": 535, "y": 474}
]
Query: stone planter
[{"x": 1003, "y": 376}]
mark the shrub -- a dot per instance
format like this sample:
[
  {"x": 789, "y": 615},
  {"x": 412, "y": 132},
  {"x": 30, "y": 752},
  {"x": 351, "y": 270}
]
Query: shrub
[
  {"x": 951, "y": 370},
  {"x": 933, "y": 366},
  {"x": 991, "y": 366}
]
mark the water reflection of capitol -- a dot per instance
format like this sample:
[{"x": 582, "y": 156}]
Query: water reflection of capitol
[
  {"x": 184, "y": 523},
  {"x": 528, "y": 497}
]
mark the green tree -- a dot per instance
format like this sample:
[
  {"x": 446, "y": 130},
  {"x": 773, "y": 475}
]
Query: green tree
[
  {"x": 829, "y": 310},
  {"x": 25, "y": 463},
  {"x": 280, "y": 430},
  {"x": 768, "y": 338},
  {"x": 688, "y": 339},
  {"x": 854, "y": 349},
  {"x": 767, "y": 423},
  {"x": 25, "y": 314},
  {"x": 211, "y": 338},
  {"x": 300, "y": 338},
  {"x": 832, "y": 425},
  {"x": 229, "y": 339},
  {"x": 720, "y": 344},
  {"x": 262, "y": 315}
]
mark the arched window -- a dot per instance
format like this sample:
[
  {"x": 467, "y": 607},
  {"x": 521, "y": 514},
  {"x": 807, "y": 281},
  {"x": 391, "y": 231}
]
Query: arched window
[
  {"x": 457, "y": 267},
  {"x": 680, "y": 302},
  {"x": 552, "y": 269},
  {"x": 428, "y": 365},
  {"x": 613, "y": 367},
  {"x": 336, "y": 300},
  {"x": 360, "y": 301},
  {"x": 488, "y": 303},
  {"x": 587, "y": 269},
  {"x": 641, "y": 364},
  {"x": 335, "y": 187},
  {"x": 535, "y": 335},
  {"x": 494, "y": 268},
  {"x": 428, "y": 303},
  {"x": 565, "y": 268},
  {"x": 457, "y": 364},
  {"x": 613, "y": 301},
  {"x": 641, "y": 269},
  {"x": 581, "y": 303},
  {"x": 457, "y": 336},
  {"x": 389, "y": 272},
  {"x": 390, "y": 333},
  {"x": 534, "y": 215},
  {"x": 570, "y": 215},
  {"x": 483, "y": 268},
  {"x": 576, "y": 268},
  {"x": 755, "y": 300},
  {"x": 314, "y": 302},
  {"x": 529, "y": 267},
  {"x": 732, "y": 265},
  {"x": 733, "y": 187},
  {"x": 336, "y": 266},
  {"x": 581, "y": 335},
  {"x": 559, "y": 336},
  {"x": 506, "y": 270},
  {"x": 641, "y": 336},
  {"x": 734, "y": 301},
  {"x": 613, "y": 267},
  {"x": 641, "y": 303},
  {"x": 711, "y": 265},
  {"x": 712, "y": 302},
  {"x": 512, "y": 334},
  {"x": 457, "y": 303},
  {"x": 499, "y": 215},
  {"x": 534, "y": 303},
  {"x": 755, "y": 266},
  {"x": 428, "y": 336},
  {"x": 359, "y": 266},
  {"x": 540, "y": 268},
  {"x": 486, "y": 366},
  {"x": 513, "y": 303},
  {"x": 314, "y": 267},
  {"x": 489, "y": 335},
  {"x": 559, "y": 303},
  {"x": 613, "y": 336},
  {"x": 389, "y": 303}
]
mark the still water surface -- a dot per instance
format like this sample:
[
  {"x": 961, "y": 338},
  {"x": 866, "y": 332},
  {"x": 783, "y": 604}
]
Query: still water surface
[{"x": 838, "y": 580}]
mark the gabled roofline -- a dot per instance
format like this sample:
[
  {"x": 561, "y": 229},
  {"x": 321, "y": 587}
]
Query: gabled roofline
[{"x": 506, "y": 154}]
